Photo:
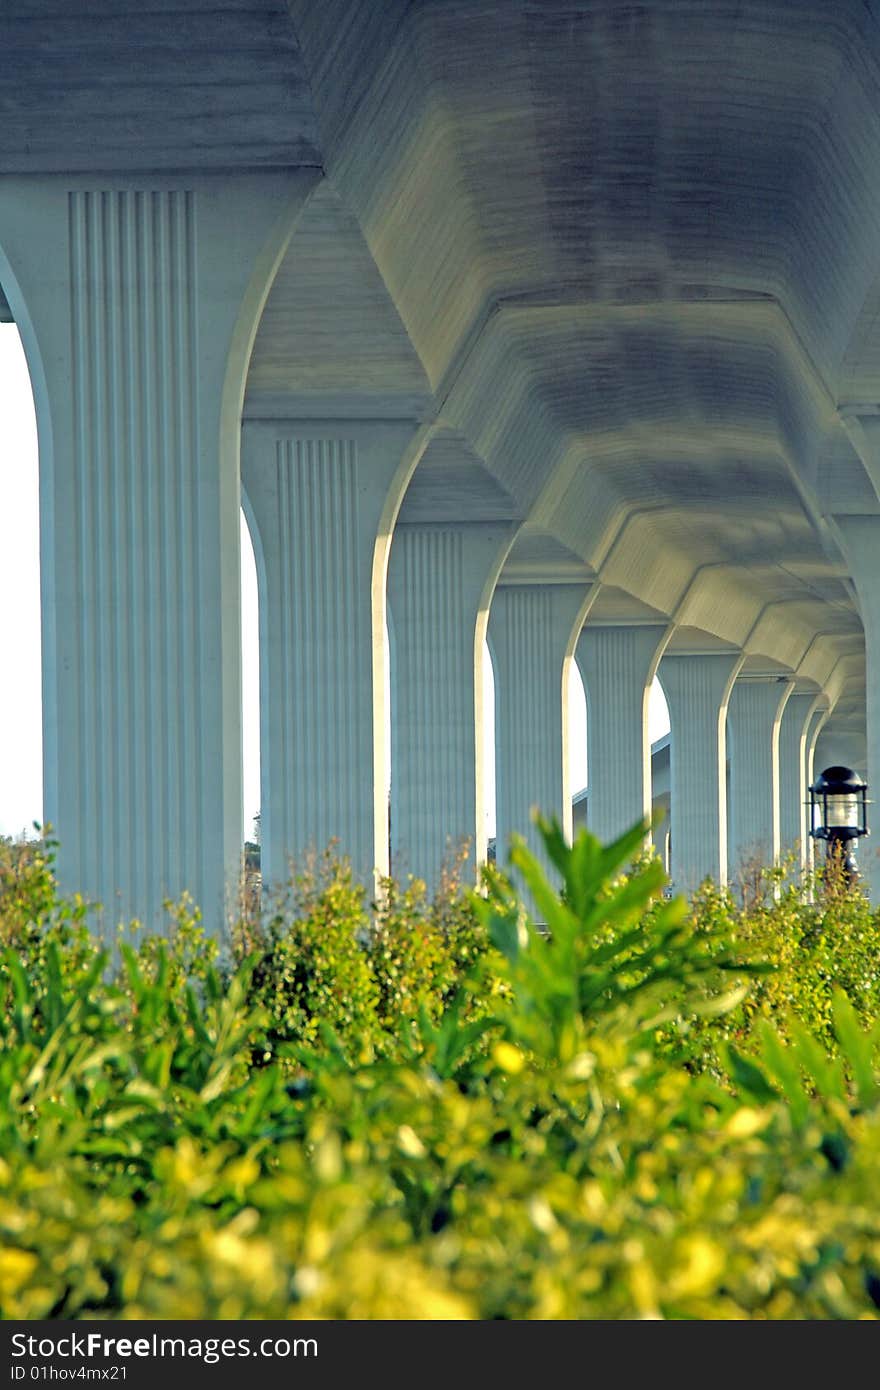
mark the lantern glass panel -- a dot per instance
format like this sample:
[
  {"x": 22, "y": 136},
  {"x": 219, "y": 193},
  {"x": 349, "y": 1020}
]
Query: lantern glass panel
[{"x": 843, "y": 812}]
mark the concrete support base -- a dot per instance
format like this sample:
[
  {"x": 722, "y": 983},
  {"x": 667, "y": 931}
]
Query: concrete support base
[
  {"x": 440, "y": 581},
  {"x": 697, "y": 689},
  {"x": 618, "y": 665}
]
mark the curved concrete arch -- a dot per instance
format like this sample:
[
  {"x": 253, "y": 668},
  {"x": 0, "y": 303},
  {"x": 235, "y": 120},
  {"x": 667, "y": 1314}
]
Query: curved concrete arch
[
  {"x": 747, "y": 281},
  {"x": 331, "y": 342},
  {"x": 422, "y": 45}
]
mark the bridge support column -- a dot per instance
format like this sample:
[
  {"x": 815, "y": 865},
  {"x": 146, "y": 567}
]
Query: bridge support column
[
  {"x": 753, "y": 715},
  {"x": 315, "y": 492},
  {"x": 440, "y": 582},
  {"x": 138, "y": 301},
  {"x": 532, "y": 631},
  {"x": 697, "y": 689},
  {"x": 794, "y": 727},
  {"x": 814, "y": 729},
  {"x": 861, "y": 540},
  {"x": 618, "y": 665}
]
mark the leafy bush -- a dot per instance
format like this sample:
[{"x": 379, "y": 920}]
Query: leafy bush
[
  {"x": 814, "y": 941},
  {"x": 556, "y": 1155},
  {"x": 310, "y": 966},
  {"x": 326, "y": 959},
  {"x": 38, "y": 929},
  {"x": 422, "y": 949}
]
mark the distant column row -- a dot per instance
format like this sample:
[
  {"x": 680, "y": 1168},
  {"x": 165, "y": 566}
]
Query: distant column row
[{"x": 740, "y": 746}]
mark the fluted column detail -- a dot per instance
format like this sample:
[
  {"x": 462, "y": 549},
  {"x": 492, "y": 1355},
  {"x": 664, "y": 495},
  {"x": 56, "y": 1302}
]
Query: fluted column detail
[
  {"x": 439, "y": 585},
  {"x": 753, "y": 715},
  {"x": 315, "y": 499},
  {"x": 327, "y": 738},
  {"x": 793, "y": 730},
  {"x": 532, "y": 632},
  {"x": 137, "y": 635},
  {"x": 697, "y": 688},
  {"x": 618, "y": 666},
  {"x": 137, "y": 307}
]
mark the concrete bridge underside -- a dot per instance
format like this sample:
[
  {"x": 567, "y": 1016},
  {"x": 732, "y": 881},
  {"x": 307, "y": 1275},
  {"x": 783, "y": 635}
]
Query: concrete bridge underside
[{"x": 553, "y": 322}]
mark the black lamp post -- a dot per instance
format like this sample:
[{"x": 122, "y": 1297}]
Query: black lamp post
[{"x": 839, "y": 814}]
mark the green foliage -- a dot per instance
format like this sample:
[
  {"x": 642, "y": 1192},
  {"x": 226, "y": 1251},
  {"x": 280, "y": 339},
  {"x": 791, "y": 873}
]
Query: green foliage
[
  {"x": 535, "y": 1137},
  {"x": 184, "y": 955},
  {"x": 421, "y": 950},
  {"x": 408, "y": 957},
  {"x": 329, "y": 962},
  {"x": 814, "y": 938},
  {"x": 38, "y": 931},
  {"x": 311, "y": 968},
  {"x": 612, "y": 950}
]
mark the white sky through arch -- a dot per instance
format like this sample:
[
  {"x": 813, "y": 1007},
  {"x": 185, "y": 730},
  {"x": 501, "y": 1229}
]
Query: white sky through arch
[
  {"x": 21, "y": 737},
  {"x": 250, "y": 681}
]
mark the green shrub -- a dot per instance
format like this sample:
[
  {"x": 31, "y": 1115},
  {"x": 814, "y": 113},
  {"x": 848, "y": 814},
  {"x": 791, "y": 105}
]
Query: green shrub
[
  {"x": 311, "y": 967},
  {"x": 815, "y": 943},
  {"x": 185, "y": 954},
  {"x": 47, "y": 937},
  {"x": 421, "y": 951},
  {"x": 327, "y": 960},
  {"x": 171, "y": 1147}
]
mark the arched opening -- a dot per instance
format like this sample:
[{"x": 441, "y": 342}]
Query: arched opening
[
  {"x": 577, "y": 746},
  {"x": 659, "y": 736},
  {"x": 389, "y": 716},
  {"x": 250, "y": 686},
  {"x": 21, "y": 737},
  {"x": 658, "y": 712},
  {"x": 488, "y": 673}
]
